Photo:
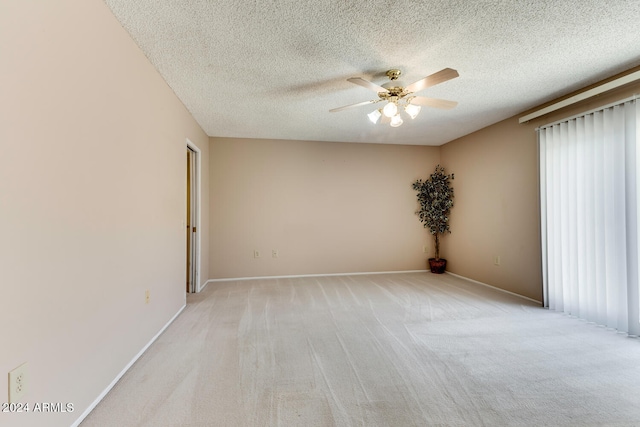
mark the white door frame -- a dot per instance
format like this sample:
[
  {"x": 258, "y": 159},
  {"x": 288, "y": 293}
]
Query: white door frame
[{"x": 197, "y": 210}]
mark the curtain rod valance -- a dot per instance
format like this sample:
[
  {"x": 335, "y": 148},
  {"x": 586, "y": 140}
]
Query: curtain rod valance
[{"x": 586, "y": 113}]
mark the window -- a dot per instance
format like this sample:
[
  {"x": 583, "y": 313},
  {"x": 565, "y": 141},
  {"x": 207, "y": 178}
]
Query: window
[{"x": 589, "y": 216}]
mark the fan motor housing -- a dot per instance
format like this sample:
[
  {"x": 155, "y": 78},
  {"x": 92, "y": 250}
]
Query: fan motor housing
[{"x": 395, "y": 91}]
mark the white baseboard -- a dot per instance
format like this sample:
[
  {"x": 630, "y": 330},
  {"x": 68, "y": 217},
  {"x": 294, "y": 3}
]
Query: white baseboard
[
  {"x": 493, "y": 287},
  {"x": 234, "y": 279},
  {"x": 126, "y": 368}
]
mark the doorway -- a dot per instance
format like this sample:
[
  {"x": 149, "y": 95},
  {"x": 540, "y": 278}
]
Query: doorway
[{"x": 192, "y": 218}]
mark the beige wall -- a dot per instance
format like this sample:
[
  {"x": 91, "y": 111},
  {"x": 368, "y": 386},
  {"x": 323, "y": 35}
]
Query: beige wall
[
  {"x": 326, "y": 207},
  {"x": 496, "y": 208},
  {"x": 92, "y": 190},
  {"x": 496, "y": 200}
]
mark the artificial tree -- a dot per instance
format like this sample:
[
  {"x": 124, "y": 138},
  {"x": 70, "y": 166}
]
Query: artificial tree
[{"x": 435, "y": 197}]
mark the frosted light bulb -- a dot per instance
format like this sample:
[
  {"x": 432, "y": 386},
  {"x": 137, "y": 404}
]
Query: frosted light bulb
[
  {"x": 390, "y": 110},
  {"x": 374, "y": 116},
  {"x": 412, "y": 110},
  {"x": 396, "y": 121}
]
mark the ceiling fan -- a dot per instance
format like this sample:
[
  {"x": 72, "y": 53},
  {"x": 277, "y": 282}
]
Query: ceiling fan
[{"x": 399, "y": 97}]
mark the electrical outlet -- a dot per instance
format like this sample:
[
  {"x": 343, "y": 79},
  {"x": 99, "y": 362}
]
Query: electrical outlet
[
  {"x": 147, "y": 296},
  {"x": 274, "y": 253},
  {"x": 496, "y": 260},
  {"x": 256, "y": 254},
  {"x": 18, "y": 383},
  {"x": 425, "y": 249}
]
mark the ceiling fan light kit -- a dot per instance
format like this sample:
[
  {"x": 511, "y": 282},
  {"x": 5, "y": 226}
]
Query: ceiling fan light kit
[{"x": 399, "y": 97}]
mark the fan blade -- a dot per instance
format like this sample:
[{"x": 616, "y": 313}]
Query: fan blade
[
  {"x": 353, "y": 105},
  {"x": 433, "y": 102},
  {"x": 432, "y": 80},
  {"x": 367, "y": 84}
]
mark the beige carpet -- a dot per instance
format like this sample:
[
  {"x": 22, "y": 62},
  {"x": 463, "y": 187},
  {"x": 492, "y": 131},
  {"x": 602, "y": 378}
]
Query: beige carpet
[{"x": 376, "y": 350}]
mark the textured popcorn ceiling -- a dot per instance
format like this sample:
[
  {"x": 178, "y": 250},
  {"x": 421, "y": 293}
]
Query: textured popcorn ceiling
[{"x": 274, "y": 68}]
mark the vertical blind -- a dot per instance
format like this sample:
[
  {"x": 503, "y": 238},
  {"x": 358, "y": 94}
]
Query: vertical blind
[{"x": 589, "y": 216}]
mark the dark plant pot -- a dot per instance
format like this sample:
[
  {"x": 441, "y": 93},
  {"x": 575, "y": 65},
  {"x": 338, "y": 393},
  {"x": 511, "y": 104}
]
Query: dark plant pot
[{"x": 437, "y": 266}]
